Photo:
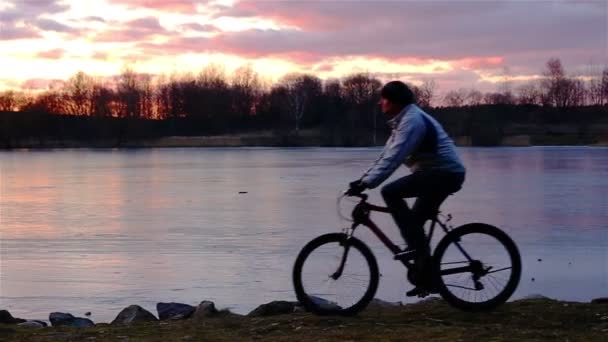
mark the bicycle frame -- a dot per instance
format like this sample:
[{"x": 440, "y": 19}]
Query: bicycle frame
[{"x": 360, "y": 216}]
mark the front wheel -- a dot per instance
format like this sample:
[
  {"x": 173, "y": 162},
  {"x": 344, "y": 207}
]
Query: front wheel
[
  {"x": 477, "y": 267},
  {"x": 335, "y": 275}
]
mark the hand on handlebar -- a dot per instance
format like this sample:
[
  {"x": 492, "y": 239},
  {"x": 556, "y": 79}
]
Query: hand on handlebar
[{"x": 355, "y": 188}]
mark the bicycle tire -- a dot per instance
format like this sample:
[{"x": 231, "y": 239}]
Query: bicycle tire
[
  {"x": 512, "y": 283},
  {"x": 305, "y": 300}
]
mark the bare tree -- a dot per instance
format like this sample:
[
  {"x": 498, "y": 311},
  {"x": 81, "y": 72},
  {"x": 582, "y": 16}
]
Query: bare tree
[
  {"x": 8, "y": 100},
  {"x": 301, "y": 90},
  {"x": 128, "y": 94},
  {"x": 559, "y": 90},
  {"x": 455, "y": 98},
  {"x": 604, "y": 86},
  {"x": 246, "y": 87},
  {"x": 102, "y": 97},
  {"x": 78, "y": 93},
  {"x": 361, "y": 88},
  {"x": 528, "y": 94},
  {"x": 498, "y": 98},
  {"x": 474, "y": 97},
  {"x": 425, "y": 93}
]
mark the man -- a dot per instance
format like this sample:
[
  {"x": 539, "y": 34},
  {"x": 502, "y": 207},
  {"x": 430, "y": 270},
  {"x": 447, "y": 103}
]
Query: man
[{"x": 418, "y": 141}]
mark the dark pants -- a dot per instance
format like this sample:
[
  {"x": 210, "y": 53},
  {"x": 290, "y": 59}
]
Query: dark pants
[{"x": 430, "y": 188}]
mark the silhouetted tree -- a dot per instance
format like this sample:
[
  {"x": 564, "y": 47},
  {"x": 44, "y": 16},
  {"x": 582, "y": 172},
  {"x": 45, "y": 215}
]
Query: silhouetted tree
[{"x": 302, "y": 91}]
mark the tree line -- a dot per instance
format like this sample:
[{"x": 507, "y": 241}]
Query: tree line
[{"x": 213, "y": 102}]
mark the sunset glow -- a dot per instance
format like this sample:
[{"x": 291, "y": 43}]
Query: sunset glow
[{"x": 457, "y": 44}]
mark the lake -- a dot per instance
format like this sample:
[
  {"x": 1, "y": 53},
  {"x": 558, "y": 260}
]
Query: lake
[{"x": 98, "y": 230}]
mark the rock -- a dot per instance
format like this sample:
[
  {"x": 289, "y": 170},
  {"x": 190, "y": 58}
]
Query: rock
[
  {"x": 66, "y": 319},
  {"x": 133, "y": 314},
  {"x": 429, "y": 300},
  {"x": 278, "y": 307},
  {"x": 174, "y": 311},
  {"x": 226, "y": 313},
  {"x": 33, "y": 324},
  {"x": 379, "y": 303},
  {"x": 7, "y": 318},
  {"x": 205, "y": 309},
  {"x": 601, "y": 300},
  {"x": 535, "y": 296},
  {"x": 324, "y": 303}
]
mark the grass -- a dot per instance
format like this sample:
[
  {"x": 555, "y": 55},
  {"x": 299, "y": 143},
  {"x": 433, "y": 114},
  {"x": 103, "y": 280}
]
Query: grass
[{"x": 530, "y": 320}]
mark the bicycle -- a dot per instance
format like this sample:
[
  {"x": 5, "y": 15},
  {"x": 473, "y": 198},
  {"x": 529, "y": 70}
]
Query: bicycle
[{"x": 440, "y": 276}]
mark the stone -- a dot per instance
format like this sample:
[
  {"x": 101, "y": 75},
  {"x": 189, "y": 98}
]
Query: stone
[
  {"x": 205, "y": 309},
  {"x": 7, "y": 318},
  {"x": 535, "y": 296},
  {"x": 66, "y": 319},
  {"x": 601, "y": 300},
  {"x": 277, "y": 307},
  {"x": 33, "y": 324},
  {"x": 133, "y": 314},
  {"x": 174, "y": 311},
  {"x": 325, "y": 304}
]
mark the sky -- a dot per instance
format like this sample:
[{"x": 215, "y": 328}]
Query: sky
[{"x": 458, "y": 44}]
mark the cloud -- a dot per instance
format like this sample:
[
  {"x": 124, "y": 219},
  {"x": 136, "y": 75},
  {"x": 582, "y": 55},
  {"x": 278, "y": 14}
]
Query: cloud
[
  {"x": 52, "y": 25},
  {"x": 147, "y": 23},
  {"x": 31, "y": 9},
  {"x": 137, "y": 30},
  {"x": 199, "y": 27},
  {"x": 94, "y": 18},
  {"x": 437, "y": 29},
  {"x": 101, "y": 55},
  {"x": 163, "y": 5},
  {"x": 41, "y": 83},
  {"x": 51, "y": 54},
  {"x": 19, "y": 18},
  {"x": 15, "y": 33}
]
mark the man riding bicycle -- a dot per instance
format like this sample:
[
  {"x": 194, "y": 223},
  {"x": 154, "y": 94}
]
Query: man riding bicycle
[{"x": 418, "y": 141}]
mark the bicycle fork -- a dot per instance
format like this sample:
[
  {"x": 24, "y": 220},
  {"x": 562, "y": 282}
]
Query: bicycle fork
[{"x": 346, "y": 245}]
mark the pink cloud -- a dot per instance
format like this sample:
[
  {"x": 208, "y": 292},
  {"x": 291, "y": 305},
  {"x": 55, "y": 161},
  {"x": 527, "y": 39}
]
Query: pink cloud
[
  {"x": 480, "y": 62},
  {"x": 200, "y": 27},
  {"x": 51, "y": 54},
  {"x": 101, "y": 55},
  {"x": 428, "y": 30},
  {"x": 41, "y": 83},
  {"x": 162, "y": 5},
  {"x": 136, "y": 30},
  {"x": 16, "y": 33}
]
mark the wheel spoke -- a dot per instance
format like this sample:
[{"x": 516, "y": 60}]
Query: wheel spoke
[
  {"x": 499, "y": 270},
  {"x": 461, "y": 287}
]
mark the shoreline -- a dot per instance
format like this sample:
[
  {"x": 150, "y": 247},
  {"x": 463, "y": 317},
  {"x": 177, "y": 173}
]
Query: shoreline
[
  {"x": 269, "y": 141},
  {"x": 533, "y": 317}
]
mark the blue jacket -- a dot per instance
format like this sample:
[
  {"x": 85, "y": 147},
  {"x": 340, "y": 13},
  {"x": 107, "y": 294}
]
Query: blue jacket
[{"x": 404, "y": 146}]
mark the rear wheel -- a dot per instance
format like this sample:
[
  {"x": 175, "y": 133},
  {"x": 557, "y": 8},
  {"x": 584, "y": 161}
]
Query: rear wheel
[
  {"x": 334, "y": 274},
  {"x": 477, "y": 267}
]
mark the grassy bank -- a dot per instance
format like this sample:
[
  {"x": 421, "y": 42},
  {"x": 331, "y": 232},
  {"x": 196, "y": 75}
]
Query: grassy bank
[{"x": 531, "y": 319}]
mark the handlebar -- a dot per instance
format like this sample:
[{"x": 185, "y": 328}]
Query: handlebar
[{"x": 360, "y": 195}]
